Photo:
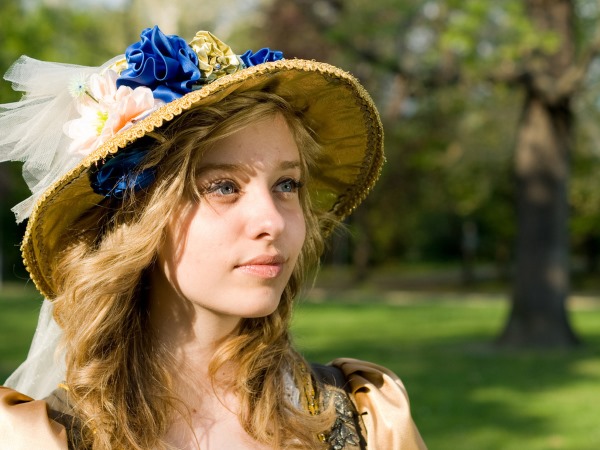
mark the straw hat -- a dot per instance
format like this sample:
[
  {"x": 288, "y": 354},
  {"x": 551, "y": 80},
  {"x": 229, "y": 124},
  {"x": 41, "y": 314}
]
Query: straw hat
[{"x": 73, "y": 118}]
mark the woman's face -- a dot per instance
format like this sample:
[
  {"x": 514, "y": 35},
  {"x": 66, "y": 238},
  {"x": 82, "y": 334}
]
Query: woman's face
[{"x": 232, "y": 252}]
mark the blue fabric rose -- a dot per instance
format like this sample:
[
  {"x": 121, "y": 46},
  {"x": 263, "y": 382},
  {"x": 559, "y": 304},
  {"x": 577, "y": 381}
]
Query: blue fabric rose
[
  {"x": 120, "y": 174},
  {"x": 262, "y": 56},
  {"x": 165, "y": 64}
]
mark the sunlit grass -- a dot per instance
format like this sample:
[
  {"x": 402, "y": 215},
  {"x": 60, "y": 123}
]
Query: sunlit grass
[{"x": 465, "y": 393}]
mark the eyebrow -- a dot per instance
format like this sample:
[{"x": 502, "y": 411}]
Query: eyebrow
[
  {"x": 290, "y": 164},
  {"x": 284, "y": 165}
]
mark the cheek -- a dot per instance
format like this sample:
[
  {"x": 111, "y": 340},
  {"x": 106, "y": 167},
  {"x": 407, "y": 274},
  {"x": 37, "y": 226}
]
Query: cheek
[
  {"x": 167, "y": 259},
  {"x": 174, "y": 251},
  {"x": 298, "y": 232}
]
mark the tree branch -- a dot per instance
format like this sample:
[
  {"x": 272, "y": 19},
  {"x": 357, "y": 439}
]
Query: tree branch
[
  {"x": 506, "y": 74},
  {"x": 446, "y": 76},
  {"x": 555, "y": 89}
]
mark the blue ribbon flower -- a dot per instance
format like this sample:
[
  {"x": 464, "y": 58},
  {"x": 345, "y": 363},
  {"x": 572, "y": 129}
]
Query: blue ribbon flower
[
  {"x": 262, "y": 56},
  {"x": 170, "y": 68},
  {"x": 165, "y": 64},
  {"x": 121, "y": 173}
]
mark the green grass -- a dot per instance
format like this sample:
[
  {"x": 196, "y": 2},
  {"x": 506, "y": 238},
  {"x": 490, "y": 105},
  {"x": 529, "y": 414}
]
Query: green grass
[
  {"x": 19, "y": 308},
  {"x": 465, "y": 393}
]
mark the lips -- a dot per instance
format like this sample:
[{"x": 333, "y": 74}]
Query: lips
[{"x": 264, "y": 266}]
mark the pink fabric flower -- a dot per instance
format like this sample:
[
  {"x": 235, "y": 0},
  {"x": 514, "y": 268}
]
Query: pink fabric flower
[
  {"x": 105, "y": 110},
  {"x": 128, "y": 105}
]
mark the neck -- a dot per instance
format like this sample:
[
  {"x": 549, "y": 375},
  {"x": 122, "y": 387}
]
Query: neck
[{"x": 191, "y": 333}]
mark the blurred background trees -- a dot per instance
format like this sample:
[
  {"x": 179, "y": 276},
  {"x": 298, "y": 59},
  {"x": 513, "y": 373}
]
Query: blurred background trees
[
  {"x": 541, "y": 51},
  {"x": 490, "y": 110}
]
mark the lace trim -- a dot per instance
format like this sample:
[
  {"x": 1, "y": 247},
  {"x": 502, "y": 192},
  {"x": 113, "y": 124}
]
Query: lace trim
[{"x": 343, "y": 434}]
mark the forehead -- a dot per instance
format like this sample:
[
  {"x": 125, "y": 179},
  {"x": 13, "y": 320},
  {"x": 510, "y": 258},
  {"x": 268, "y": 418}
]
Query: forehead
[{"x": 265, "y": 141}]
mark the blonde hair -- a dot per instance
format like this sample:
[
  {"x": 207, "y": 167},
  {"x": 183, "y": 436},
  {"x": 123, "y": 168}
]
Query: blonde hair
[{"x": 117, "y": 372}]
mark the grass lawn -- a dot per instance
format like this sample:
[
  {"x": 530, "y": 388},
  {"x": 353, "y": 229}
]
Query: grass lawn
[{"x": 465, "y": 394}]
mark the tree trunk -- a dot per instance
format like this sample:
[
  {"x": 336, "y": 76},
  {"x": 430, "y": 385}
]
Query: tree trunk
[
  {"x": 541, "y": 283},
  {"x": 542, "y": 164}
]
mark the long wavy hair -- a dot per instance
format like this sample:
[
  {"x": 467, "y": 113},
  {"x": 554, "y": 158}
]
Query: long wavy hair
[{"x": 118, "y": 375}]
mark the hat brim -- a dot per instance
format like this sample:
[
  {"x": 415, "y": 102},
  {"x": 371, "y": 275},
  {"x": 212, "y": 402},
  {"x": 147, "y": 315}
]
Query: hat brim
[{"x": 336, "y": 105}]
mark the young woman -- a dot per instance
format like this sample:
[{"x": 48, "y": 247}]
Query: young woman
[{"x": 181, "y": 196}]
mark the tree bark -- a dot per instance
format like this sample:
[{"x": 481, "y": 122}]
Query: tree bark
[
  {"x": 541, "y": 282},
  {"x": 538, "y": 317}
]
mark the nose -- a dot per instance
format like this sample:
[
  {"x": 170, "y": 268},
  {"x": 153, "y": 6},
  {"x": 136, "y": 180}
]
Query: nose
[{"x": 265, "y": 217}]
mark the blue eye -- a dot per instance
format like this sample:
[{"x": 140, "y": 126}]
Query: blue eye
[
  {"x": 224, "y": 187},
  {"x": 288, "y": 185}
]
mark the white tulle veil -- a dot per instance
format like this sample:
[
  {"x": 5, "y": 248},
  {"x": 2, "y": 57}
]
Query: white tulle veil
[
  {"x": 44, "y": 367},
  {"x": 32, "y": 132},
  {"x": 32, "y": 128}
]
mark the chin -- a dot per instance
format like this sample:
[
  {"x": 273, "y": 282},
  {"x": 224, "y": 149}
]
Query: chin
[
  {"x": 254, "y": 301},
  {"x": 263, "y": 310},
  {"x": 260, "y": 313}
]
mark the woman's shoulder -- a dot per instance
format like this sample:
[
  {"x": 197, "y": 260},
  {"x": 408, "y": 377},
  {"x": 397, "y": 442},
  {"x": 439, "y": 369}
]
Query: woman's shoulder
[
  {"x": 26, "y": 423},
  {"x": 380, "y": 401}
]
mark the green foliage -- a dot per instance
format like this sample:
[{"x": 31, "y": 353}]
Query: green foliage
[
  {"x": 487, "y": 34},
  {"x": 62, "y": 34},
  {"x": 588, "y": 14},
  {"x": 449, "y": 163}
]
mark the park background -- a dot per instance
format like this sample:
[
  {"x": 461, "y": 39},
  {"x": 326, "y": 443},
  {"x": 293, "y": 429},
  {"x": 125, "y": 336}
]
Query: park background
[{"x": 472, "y": 269}]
